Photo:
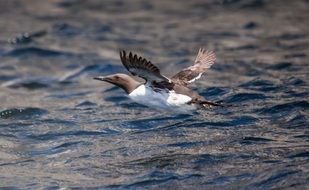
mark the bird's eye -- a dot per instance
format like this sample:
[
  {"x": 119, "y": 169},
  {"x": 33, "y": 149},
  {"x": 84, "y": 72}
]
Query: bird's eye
[{"x": 116, "y": 77}]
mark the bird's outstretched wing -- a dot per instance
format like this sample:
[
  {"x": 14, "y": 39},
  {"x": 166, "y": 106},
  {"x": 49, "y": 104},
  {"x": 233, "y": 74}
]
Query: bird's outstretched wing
[
  {"x": 204, "y": 60},
  {"x": 140, "y": 67}
]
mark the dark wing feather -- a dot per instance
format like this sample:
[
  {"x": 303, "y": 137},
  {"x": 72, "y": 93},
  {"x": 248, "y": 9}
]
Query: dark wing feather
[
  {"x": 204, "y": 60},
  {"x": 140, "y": 67}
]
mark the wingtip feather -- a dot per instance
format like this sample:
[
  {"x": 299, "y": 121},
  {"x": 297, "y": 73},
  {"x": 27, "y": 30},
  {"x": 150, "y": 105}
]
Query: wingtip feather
[{"x": 205, "y": 57}]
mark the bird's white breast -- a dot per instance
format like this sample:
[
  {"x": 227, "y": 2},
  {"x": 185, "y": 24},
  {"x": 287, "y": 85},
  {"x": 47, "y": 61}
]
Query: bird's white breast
[{"x": 168, "y": 100}]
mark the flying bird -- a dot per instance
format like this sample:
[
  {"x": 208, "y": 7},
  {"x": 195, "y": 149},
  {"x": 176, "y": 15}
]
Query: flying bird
[{"x": 159, "y": 91}]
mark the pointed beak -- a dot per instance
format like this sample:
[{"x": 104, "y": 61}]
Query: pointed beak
[
  {"x": 101, "y": 78},
  {"x": 104, "y": 78}
]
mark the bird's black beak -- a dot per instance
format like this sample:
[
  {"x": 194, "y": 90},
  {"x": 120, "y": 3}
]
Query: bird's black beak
[{"x": 103, "y": 78}]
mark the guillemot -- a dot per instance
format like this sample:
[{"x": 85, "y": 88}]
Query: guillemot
[{"x": 159, "y": 91}]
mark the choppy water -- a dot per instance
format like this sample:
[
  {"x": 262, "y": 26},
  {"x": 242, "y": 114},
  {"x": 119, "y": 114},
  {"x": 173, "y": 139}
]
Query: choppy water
[{"x": 61, "y": 129}]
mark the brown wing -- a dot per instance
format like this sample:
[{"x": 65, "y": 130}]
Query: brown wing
[
  {"x": 140, "y": 67},
  {"x": 204, "y": 60}
]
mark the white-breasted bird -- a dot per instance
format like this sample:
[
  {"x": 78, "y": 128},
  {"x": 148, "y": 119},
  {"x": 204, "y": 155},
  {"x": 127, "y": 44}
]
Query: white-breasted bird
[{"x": 159, "y": 91}]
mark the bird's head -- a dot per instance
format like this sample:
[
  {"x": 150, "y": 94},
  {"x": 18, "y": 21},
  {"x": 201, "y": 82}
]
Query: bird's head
[{"x": 122, "y": 80}]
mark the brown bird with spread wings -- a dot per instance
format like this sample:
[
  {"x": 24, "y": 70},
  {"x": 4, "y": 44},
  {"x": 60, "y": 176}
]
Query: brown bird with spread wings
[{"x": 159, "y": 91}]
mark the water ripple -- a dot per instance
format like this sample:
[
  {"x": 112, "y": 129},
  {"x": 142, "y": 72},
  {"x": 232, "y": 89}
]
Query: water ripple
[
  {"x": 286, "y": 107},
  {"x": 22, "y": 113},
  {"x": 30, "y": 51},
  {"x": 53, "y": 136},
  {"x": 241, "y": 97},
  {"x": 260, "y": 85}
]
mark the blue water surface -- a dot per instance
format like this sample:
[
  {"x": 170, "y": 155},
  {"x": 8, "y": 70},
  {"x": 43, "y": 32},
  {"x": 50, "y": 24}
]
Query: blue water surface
[{"x": 59, "y": 128}]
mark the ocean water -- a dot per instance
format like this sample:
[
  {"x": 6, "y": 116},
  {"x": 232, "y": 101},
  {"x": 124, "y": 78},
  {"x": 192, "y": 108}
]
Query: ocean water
[{"x": 60, "y": 128}]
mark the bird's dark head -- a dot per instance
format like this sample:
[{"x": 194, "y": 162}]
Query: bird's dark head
[{"x": 122, "y": 80}]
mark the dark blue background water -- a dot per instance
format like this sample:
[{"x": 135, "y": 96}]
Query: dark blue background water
[{"x": 61, "y": 129}]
